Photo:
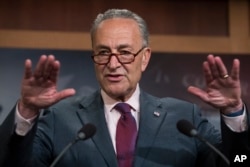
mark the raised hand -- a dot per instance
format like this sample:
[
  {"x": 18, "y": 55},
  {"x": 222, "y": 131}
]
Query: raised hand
[
  {"x": 223, "y": 89},
  {"x": 39, "y": 87}
]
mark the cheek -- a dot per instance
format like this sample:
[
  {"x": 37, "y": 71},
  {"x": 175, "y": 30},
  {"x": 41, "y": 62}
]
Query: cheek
[
  {"x": 99, "y": 72},
  {"x": 135, "y": 73}
]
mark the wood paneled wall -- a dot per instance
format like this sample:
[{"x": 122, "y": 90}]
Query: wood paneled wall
[
  {"x": 163, "y": 17},
  {"x": 175, "y": 25}
]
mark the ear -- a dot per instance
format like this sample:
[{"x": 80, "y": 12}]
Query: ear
[{"x": 145, "y": 58}]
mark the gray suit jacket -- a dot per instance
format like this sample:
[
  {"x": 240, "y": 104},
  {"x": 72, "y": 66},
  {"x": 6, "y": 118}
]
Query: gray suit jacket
[{"x": 159, "y": 143}]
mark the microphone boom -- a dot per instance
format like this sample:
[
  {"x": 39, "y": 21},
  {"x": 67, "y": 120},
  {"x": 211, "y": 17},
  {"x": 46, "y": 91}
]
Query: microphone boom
[
  {"x": 84, "y": 133},
  {"x": 188, "y": 129}
]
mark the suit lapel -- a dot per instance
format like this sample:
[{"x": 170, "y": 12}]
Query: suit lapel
[
  {"x": 92, "y": 111},
  {"x": 151, "y": 118}
]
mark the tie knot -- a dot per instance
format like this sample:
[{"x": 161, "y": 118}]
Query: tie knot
[{"x": 123, "y": 108}]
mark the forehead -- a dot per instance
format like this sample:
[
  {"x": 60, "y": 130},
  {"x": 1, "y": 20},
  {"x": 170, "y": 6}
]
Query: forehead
[
  {"x": 117, "y": 31},
  {"x": 119, "y": 21}
]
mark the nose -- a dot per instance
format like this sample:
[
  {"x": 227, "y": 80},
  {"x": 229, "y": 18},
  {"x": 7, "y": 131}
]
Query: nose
[{"x": 114, "y": 62}]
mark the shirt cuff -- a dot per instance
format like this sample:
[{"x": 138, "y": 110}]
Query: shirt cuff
[
  {"x": 23, "y": 126},
  {"x": 237, "y": 123}
]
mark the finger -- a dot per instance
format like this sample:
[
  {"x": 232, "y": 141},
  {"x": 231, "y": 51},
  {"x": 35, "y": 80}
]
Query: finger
[
  {"x": 38, "y": 72},
  {"x": 48, "y": 66},
  {"x": 27, "y": 69},
  {"x": 54, "y": 71},
  {"x": 221, "y": 67},
  {"x": 207, "y": 73},
  {"x": 213, "y": 67},
  {"x": 235, "y": 72}
]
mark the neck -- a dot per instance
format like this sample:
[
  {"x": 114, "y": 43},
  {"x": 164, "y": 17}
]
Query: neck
[{"x": 109, "y": 99}]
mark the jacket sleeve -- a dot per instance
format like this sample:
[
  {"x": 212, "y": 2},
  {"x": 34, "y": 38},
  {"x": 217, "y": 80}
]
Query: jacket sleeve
[
  {"x": 18, "y": 149},
  {"x": 6, "y": 130}
]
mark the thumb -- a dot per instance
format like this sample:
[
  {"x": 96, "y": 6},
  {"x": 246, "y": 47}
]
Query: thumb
[
  {"x": 198, "y": 92},
  {"x": 64, "y": 94}
]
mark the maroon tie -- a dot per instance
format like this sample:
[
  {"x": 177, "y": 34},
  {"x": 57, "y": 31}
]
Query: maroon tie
[{"x": 126, "y": 134}]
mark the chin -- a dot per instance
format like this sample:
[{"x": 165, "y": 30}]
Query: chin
[{"x": 117, "y": 92}]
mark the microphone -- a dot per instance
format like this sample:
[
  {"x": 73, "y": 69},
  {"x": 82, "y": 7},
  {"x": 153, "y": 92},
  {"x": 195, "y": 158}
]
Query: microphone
[
  {"x": 84, "y": 133},
  {"x": 188, "y": 129}
]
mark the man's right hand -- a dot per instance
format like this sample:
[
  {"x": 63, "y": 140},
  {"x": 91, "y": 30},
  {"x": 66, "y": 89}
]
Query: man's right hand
[{"x": 39, "y": 87}]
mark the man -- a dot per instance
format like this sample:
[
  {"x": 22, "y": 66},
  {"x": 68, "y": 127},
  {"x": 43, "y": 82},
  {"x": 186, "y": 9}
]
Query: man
[{"x": 121, "y": 53}]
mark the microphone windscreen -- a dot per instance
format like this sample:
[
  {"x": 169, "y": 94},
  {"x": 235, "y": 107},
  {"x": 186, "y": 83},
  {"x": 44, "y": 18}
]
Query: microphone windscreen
[
  {"x": 185, "y": 127},
  {"x": 86, "y": 131}
]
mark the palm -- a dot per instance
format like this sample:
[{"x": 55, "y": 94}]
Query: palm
[
  {"x": 39, "y": 95},
  {"x": 222, "y": 93}
]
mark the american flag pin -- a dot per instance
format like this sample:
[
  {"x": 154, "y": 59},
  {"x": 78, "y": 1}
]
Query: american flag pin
[{"x": 156, "y": 113}]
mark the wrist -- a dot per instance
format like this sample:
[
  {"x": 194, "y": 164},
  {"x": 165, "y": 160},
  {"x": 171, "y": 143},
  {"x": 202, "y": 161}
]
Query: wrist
[
  {"x": 27, "y": 111},
  {"x": 235, "y": 114},
  {"x": 235, "y": 110}
]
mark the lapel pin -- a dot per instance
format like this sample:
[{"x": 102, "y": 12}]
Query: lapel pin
[{"x": 156, "y": 113}]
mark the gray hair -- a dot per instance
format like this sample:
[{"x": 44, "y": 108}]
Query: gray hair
[{"x": 121, "y": 13}]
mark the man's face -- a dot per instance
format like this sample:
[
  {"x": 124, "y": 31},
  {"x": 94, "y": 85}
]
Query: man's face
[{"x": 118, "y": 35}]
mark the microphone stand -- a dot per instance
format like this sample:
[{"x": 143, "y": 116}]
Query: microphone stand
[
  {"x": 84, "y": 133},
  {"x": 214, "y": 149},
  {"x": 62, "y": 153}
]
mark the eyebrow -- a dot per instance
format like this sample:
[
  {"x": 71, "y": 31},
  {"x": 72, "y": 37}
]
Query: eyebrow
[{"x": 118, "y": 47}]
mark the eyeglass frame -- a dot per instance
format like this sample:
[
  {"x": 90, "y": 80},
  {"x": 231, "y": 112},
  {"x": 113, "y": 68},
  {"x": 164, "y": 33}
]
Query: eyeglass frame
[{"x": 116, "y": 55}]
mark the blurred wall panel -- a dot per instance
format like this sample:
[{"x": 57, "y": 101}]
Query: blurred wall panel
[{"x": 176, "y": 17}]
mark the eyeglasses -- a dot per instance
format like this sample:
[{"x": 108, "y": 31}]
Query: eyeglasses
[{"x": 124, "y": 57}]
